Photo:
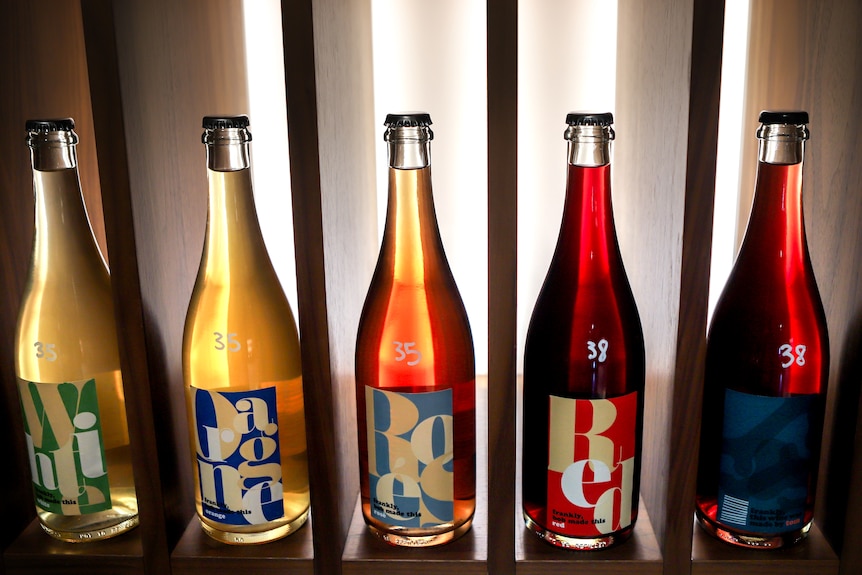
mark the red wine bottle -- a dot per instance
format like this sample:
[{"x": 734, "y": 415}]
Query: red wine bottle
[
  {"x": 767, "y": 364},
  {"x": 415, "y": 368},
  {"x": 584, "y": 367}
]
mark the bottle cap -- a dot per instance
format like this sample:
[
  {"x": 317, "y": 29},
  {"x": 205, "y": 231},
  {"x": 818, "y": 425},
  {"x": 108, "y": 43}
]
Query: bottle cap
[
  {"x": 589, "y": 119},
  {"x": 589, "y": 127},
  {"x": 408, "y": 120},
  {"x": 225, "y": 122},
  {"x": 55, "y": 125},
  {"x": 795, "y": 117}
]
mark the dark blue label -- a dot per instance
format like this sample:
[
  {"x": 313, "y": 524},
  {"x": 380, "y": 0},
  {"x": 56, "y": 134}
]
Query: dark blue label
[
  {"x": 238, "y": 456},
  {"x": 765, "y": 462}
]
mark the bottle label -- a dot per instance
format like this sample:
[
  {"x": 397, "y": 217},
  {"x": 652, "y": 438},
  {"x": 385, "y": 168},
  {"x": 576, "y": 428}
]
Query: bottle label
[
  {"x": 63, "y": 431},
  {"x": 238, "y": 455},
  {"x": 411, "y": 457},
  {"x": 591, "y": 465},
  {"x": 765, "y": 462}
]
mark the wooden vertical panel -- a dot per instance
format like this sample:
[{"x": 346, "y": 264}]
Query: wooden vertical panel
[
  {"x": 502, "y": 272},
  {"x": 110, "y": 133},
  {"x": 327, "y": 55},
  {"x": 653, "y": 121},
  {"x": 44, "y": 76},
  {"x": 178, "y": 61},
  {"x": 702, "y": 145}
]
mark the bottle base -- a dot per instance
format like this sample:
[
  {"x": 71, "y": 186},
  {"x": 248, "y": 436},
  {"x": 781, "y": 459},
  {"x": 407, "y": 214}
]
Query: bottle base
[
  {"x": 400, "y": 538},
  {"x": 750, "y": 540},
  {"x": 578, "y": 543},
  {"x": 95, "y": 532},
  {"x": 237, "y": 537}
]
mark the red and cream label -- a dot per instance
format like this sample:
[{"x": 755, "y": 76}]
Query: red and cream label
[{"x": 591, "y": 464}]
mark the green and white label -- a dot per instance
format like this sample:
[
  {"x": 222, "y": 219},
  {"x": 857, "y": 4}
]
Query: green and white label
[{"x": 64, "y": 442}]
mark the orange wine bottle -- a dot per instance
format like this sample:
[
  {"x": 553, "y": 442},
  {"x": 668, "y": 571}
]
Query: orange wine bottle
[
  {"x": 67, "y": 359},
  {"x": 584, "y": 366},
  {"x": 241, "y": 364},
  {"x": 415, "y": 368},
  {"x": 767, "y": 364}
]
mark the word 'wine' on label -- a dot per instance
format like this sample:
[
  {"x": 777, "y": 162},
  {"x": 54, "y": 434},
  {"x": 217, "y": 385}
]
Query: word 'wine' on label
[
  {"x": 63, "y": 432},
  {"x": 238, "y": 455},
  {"x": 411, "y": 457},
  {"x": 591, "y": 465}
]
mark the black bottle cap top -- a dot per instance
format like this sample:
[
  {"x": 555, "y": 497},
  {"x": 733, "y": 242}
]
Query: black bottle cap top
[
  {"x": 223, "y": 122},
  {"x": 794, "y": 117},
  {"x": 56, "y": 125},
  {"x": 408, "y": 120},
  {"x": 589, "y": 119}
]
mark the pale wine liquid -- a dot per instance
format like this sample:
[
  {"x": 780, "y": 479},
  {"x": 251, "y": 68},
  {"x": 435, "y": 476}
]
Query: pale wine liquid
[
  {"x": 240, "y": 336},
  {"x": 67, "y": 335}
]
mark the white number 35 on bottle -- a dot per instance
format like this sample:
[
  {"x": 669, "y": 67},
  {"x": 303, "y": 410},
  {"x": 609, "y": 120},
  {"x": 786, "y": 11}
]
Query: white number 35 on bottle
[{"x": 404, "y": 349}]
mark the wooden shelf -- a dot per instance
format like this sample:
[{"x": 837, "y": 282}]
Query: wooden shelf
[
  {"x": 35, "y": 552},
  {"x": 812, "y": 556},
  {"x": 197, "y": 552},
  {"x": 640, "y": 555}
]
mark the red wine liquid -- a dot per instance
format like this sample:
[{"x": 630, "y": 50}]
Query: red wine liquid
[
  {"x": 414, "y": 337},
  {"x": 767, "y": 338},
  {"x": 584, "y": 342}
]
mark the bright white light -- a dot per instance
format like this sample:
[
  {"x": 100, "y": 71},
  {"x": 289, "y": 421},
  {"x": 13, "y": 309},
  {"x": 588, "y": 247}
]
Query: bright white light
[
  {"x": 431, "y": 57},
  {"x": 270, "y": 154},
  {"x": 730, "y": 139}
]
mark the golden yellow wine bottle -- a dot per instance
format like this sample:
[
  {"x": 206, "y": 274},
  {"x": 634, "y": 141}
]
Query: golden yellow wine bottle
[
  {"x": 67, "y": 362},
  {"x": 241, "y": 364}
]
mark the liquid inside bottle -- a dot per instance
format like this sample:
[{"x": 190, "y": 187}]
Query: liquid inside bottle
[
  {"x": 584, "y": 367},
  {"x": 67, "y": 360},
  {"x": 415, "y": 371},
  {"x": 766, "y": 365},
  {"x": 241, "y": 365}
]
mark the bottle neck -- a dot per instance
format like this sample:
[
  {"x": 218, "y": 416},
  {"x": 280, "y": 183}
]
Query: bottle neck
[
  {"x": 587, "y": 235},
  {"x": 411, "y": 234},
  {"x": 776, "y": 228},
  {"x": 63, "y": 236},
  {"x": 234, "y": 246}
]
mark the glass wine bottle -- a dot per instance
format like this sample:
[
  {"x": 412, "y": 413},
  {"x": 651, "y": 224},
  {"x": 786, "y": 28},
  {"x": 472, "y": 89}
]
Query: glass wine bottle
[
  {"x": 241, "y": 364},
  {"x": 767, "y": 363},
  {"x": 415, "y": 371},
  {"x": 67, "y": 360},
  {"x": 584, "y": 367}
]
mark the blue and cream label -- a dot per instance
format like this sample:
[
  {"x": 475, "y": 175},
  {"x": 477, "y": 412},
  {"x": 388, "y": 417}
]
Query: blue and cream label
[
  {"x": 238, "y": 456},
  {"x": 410, "y": 457},
  {"x": 63, "y": 431},
  {"x": 765, "y": 462}
]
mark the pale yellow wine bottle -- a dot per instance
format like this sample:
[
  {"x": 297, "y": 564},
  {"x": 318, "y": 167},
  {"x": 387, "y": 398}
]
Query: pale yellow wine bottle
[
  {"x": 241, "y": 364},
  {"x": 66, "y": 360}
]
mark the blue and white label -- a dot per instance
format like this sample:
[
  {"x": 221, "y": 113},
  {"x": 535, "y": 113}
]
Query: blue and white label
[
  {"x": 411, "y": 457},
  {"x": 238, "y": 455},
  {"x": 765, "y": 461}
]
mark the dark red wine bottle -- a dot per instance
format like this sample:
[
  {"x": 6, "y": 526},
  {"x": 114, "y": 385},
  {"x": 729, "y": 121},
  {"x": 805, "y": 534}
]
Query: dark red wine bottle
[
  {"x": 584, "y": 367},
  {"x": 767, "y": 364},
  {"x": 415, "y": 367}
]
